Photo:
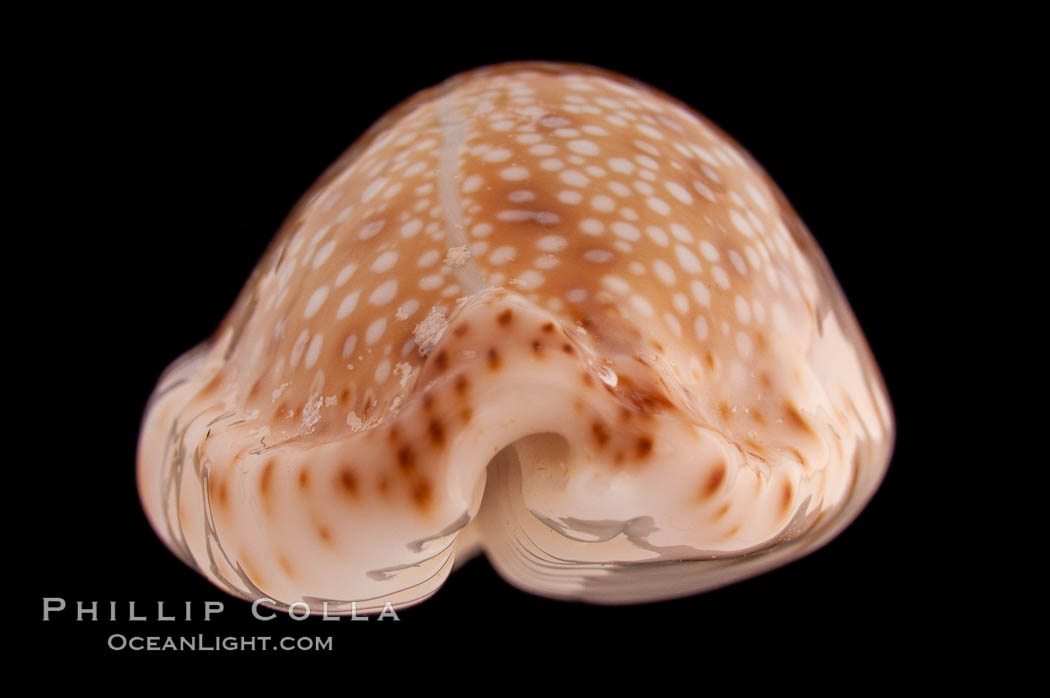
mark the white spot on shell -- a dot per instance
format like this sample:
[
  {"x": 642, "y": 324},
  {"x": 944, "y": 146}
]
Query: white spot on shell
[
  {"x": 314, "y": 351},
  {"x": 520, "y": 196},
  {"x": 552, "y": 243},
  {"x": 497, "y": 155},
  {"x": 709, "y": 251},
  {"x": 502, "y": 255},
  {"x": 657, "y": 235},
  {"x": 412, "y": 228},
  {"x": 428, "y": 259},
  {"x": 407, "y": 309},
  {"x": 574, "y": 178},
  {"x": 375, "y": 331},
  {"x": 664, "y": 272},
  {"x": 640, "y": 305},
  {"x": 598, "y": 256},
  {"x": 348, "y": 347},
  {"x": 658, "y": 205},
  {"x": 297, "y": 348},
  {"x": 592, "y": 226},
  {"x": 701, "y": 294},
  {"x": 625, "y": 230},
  {"x": 700, "y": 328},
  {"x": 687, "y": 261},
  {"x": 382, "y": 371},
  {"x": 348, "y": 305},
  {"x": 429, "y": 283},
  {"x": 345, "y": 273},
  {"x": 315, "y": 302},
  {"x": 584, "y": 147},
  {"x": 740, "y": 223},
  {"x": 679, "y": 192},
  {"x": 514, "y": 174},
  {"x": 384, "y": 293},
  {"x": 743, "y": 310},
  {"x": 371, "y": 230},
  {"x": 323, "y": 254},
  {"x": 681, "y": 233},
  {"x": 616, "y": 284},
  {"x": 384, "y": 262},
  {"x": 529, "y": 280}
]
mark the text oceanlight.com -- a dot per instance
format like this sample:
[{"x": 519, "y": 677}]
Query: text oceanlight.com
[{"x": 215, "y": 643}]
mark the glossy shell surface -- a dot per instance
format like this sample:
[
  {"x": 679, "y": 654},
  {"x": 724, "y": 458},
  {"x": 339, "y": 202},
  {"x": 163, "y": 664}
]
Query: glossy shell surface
[{"x": 540, "y": 311}]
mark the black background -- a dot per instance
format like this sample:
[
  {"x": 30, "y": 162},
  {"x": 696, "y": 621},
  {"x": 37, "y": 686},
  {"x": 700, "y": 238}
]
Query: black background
[{"x": 167, "y": 165}]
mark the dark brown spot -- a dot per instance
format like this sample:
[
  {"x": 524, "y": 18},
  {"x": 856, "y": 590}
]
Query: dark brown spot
[
  {"x": 505, "y": 317},
  {"x": 537, "y": 346},
  {"x": 722, "y": 511},
  {"x": 787, "y": 494},
  {"x": 587, "y": 380},
  {"x": 756, "y": 414},
  {"x": 625, "y": 414},
  {"x": 765, "y": 381},
  {"x": 644, "y": 446},
  {"x": 733, "y": 531},
  {"x": 422, "y": 494},
  {"x": 304, "y": 479},
  {"x": 461, "y": 329},
  {"x": 437, "y": 432},
  {"x": 713, "y": 481},
  {"x": 428, "y": 401},
  {"x": 567, "y": 348},
  {"x": 761, "y": 343},
  {"x": 465, "y": 414},
  {"x": 344, "y": 397},
  {"x": 547, "y": 327},
  {"x": 406, "y": 459},
  {"x": 348, "y": 481},
  {"x": 441, "y": 360},
  {"x": 220, "y": 493},
  {"x": 493, "y": 358},
  {"x": 267, "y": 474},
  {"x": 462, "y": 383},
  {"x": 647, "y": 400},
  {"x": 724, "y": 411},
  {"x": 325, "y": 534},
  {"x": 600, "y": 435},
  {"x": 796, "y": 420},
  {"x": 709, "y": 359}
]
